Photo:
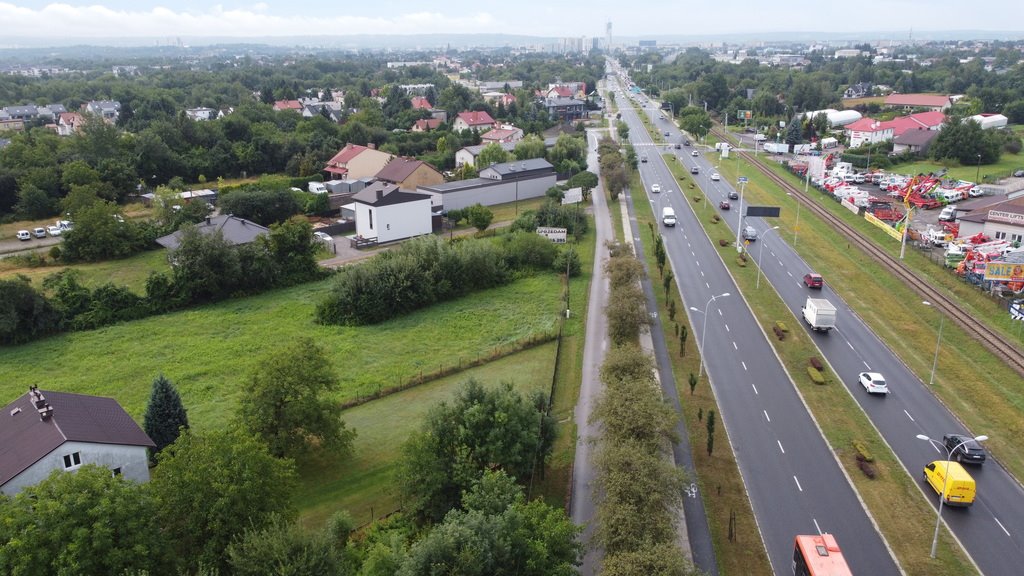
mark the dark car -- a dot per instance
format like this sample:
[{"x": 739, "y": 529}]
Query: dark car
[
  {"x": 812, "y": 280},
  {"x": 724, "y": 205},
  {"x": 667, "y": 134},
  {"x": 1018, "y": 173},
  {"x": 686, "y": 142},
  {"x": 677, "y": 146},
  {"x": 966, "y": 449},
  {"x": 643, "y": 158},
  {"x": 733, "y": 195}
]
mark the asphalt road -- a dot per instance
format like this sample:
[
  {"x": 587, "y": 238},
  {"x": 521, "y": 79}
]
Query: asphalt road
[
  {"x": 992, "y": 530},
  {"x": 794, "y": 483},
  {"x": 581, "y": 507}
]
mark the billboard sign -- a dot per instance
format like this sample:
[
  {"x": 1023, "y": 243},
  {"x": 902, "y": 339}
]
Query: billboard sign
[
  {"x": 744, "y": 114},
  {"x": 763, "y": 211},
  {"x": 1005, "y": 271}
]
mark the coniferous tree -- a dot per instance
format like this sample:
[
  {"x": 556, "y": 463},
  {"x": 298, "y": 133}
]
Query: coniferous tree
[{"x": 165, "y": 414}]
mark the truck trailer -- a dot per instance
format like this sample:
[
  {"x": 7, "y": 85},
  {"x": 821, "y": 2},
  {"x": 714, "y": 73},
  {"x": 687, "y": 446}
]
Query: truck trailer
[{"x": 819, "y": 314}]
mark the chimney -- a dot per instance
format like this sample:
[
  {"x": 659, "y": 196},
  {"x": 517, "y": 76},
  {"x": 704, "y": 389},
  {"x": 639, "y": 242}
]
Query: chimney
[
  {"x": 380, "y": 194},
  {"x": 37, "y": 399}
]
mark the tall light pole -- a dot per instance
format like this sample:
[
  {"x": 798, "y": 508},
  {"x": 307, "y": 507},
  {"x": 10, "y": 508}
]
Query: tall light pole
[
  {"x": 977, "y": 173},
  {"x": 945, "y": 477},
  {"x": 760, "y": 251},
  {"x": 796, "y": 227},
  {"x": 938, "y": 343},
  {"x": 704, "y": 330}
]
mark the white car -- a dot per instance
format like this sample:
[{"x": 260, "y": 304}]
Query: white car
[
  {"x": 323, "y": 238},
  {"x": 694, "y": 153},
  {"x": 53, "y": 230},
  {"x": 715, "y": 176},
  {"x": 24, "y": 235},
  {"x": 656, "y": 188},
  {"x": 873, "y": 382},
  {"x": 39, "y": 232}
]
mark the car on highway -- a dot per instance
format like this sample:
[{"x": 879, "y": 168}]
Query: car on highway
[
  {"x": 873, "y": 382},
  {"x": 677, "y": 146},
  {"x": 694, "y": 153},
  {"x": 666, "y": 133},
  {"x": 724, "y": 205},
  {"x": 715, "y": 176},
  {"x": 812, "y": 280},
  {"x": 644, "y": 158},
  {"x": 734, "y": 195},
  {"x": 656, "y": 188},
  {"x": 53, "y": 230},
  {"x": 686, "y": 142},
  {"x": 964, "y": 449},
  {"x": 23, "y": 235},
  {"x": 695, "y": 170}
]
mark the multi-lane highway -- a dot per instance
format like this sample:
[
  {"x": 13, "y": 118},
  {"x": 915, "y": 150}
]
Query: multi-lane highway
[
  {"x": 991, "y": 530},
  {"x": 794, "y": 482}
]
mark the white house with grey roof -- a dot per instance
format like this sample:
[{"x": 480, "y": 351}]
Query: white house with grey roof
[
  {"x": 43, "y": 431},
  {"x": 497, "y": 184},
  {"x": 388, "y": 214}
]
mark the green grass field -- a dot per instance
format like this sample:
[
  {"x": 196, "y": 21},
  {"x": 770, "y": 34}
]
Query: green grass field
[
  {"x": 131, "y": 272},
  {"x": 365, "y": 483},
  {"x": 210, "y": 351},
  {"x": 1006, "y": 165}
]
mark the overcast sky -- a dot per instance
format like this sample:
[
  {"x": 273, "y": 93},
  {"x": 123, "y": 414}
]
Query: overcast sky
[{"x": 647, "y": 18}]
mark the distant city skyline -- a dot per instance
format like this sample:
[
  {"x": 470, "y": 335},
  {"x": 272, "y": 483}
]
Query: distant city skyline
[{"x": 101, "y": 19}]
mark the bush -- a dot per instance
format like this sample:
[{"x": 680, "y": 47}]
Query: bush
[
  {"x": 529, "y": 250},
  {"x": 781, "y": 326},
  {"x": 815, "y": 375},
  {"x": 816, "y": 363},
  {"x": 862, "y": 451},
  {"x": 867, "y": 468},
  {"x": 568, "y": 257}
]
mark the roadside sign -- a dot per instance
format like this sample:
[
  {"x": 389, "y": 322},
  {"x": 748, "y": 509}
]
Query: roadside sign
[
  {"x": 742, "y": 179},
  {"x": 744, "y": 114}
]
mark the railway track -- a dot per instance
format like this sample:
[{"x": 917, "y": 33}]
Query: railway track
[{"x": 993, "y": 340}]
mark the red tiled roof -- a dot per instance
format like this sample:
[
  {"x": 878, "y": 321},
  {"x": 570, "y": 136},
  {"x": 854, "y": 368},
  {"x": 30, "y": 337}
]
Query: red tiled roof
[
  {"x": 70, "y": 118},
  {"x": 420, "y": 103},
  {"x": 500, "y": 134},
  {"x": 287, "y": 105},
  {"x": 25, "y": 438},
  {"x": 479, "y": 118},
  {"x": 427, "y": 123},
  {"x": 866, "y": 124},
  {"x": 927, "y": 100},
  {"x": 347, "y": 153},
  {"x": 563, "y": 91}
]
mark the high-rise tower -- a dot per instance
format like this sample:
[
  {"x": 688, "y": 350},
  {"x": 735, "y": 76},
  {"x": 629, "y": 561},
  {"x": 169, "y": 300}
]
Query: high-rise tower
[{"x": 608, "y": 37}]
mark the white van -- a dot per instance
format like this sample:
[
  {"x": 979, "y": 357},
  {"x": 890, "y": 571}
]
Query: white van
[
  {"x": 948, "y": 213},
  {"x": 668, "y": 216}
]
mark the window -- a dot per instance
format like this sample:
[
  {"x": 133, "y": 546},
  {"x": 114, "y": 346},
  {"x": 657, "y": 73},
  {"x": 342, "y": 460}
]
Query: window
[
  {"x": 1016, "y": 237},
  {"x": 116, "y": 471},
  {"x": 371, "y": 219},
  {"x": 1000, "y": 235},
  {"x": 72, "y": 460}
]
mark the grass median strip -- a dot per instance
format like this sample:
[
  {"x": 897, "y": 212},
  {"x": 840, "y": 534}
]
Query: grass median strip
[{"x": 893, "y": 498}]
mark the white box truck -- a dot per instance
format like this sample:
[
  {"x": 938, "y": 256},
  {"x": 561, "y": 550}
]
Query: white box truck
[
  {"x": 668, "y": 216},
  {"x": 819, "y": 314}
]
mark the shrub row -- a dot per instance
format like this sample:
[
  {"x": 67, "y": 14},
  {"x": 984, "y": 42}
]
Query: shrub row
[{"x": 428, "y": 270}]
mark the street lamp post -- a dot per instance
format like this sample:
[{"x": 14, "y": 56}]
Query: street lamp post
[
  {"x": 796, "y": 227},
  {"x": 938, "y": 343},
  {"x": 704, "y": 330},
  {"x": 759, "y": 252},
  {"x": 942, "y": 496},
  {"x": 977, "y": 173}
]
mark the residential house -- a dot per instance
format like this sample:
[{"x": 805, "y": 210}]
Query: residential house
[
  {"x": 914, "y": 141},
  {"x": 355, "y": 162},
  {"x": 227, "y": 110},
  {"x": 468, "y": 154},
  {"x": 51, "y": 111},
  {"x": 990, "y": 121},
  {"x": 565, "y": 109},
  {"x": 69, "y": 122},
  {"x": 497, "y": 184},
  {"x": 409, "y": 173},
  {"x": 426, "y": 125},
  {"x": 43, "y": 431},
  {"x": 200, "y": 114},
  {"x": 234, "y": 230},
  {"x": 109, "y": 110},
  {"x": 480, "y": 121},
  {"x": 295, "y": 105},
  {"x": 421, "y": 103},
  {"x": 926, "y": 120},
  {"x": 11, "y": 124},
  {"x": 24, "y": 113},
  {"x": 496, "y": 98},
  {"x": 867, "y": 131},
  {"x": 384, "y": 212},
  {"x": 858, "y": 90},
  {"x": 566, "y": 90},
  {"x": 509, "y": 134},
  {"x": 935, "y": 103}
]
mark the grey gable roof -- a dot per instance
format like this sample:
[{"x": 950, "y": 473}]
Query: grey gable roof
[
  {"x": 385, "y": 194},
  {"x": 25, "y": 438},
  {"x": 235, "y": 230},
  {"x": 517, "y": 169}
]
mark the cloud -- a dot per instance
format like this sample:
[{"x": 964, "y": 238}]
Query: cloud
[{"x": 96, "y": 21}]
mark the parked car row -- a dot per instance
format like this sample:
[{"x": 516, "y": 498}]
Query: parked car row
[{"x": 40, "y": 232}]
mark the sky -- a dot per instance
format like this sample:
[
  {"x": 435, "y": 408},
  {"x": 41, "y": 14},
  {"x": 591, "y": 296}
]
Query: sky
[{"x": 558, "y": 18}]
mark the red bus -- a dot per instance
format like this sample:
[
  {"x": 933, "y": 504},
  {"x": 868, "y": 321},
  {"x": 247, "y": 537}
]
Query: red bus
[{"x": 818, "y": 556}]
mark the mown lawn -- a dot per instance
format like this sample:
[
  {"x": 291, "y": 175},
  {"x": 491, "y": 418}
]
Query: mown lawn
[
  {"x": 1006, "y": 165},
  {"x": 131, "y": 272},
  {"x": 209, "y": 352},
  {"x": 365, "y": 484}
]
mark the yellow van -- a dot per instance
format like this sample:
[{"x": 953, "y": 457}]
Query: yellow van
[{"x": 960, "y": 488}]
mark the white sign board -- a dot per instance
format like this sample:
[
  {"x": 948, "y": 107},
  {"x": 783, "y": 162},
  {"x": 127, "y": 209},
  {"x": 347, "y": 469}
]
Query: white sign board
[
  {"x": 556, "y": 235},
  {"x": 573, "y": 196}
]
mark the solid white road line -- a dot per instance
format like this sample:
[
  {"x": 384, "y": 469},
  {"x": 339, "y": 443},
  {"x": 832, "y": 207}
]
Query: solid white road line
[
  {"x": 795, "y": 479},
  {"x": 1001, "y": 525}
]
